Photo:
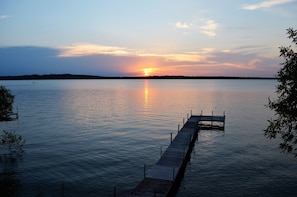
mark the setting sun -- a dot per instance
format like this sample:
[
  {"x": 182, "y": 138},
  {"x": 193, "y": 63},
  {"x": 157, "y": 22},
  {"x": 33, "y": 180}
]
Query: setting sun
[{"x": 147, "y": 71}]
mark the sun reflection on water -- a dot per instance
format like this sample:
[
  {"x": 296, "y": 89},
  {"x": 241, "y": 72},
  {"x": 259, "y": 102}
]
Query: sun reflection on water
[{"x": 146, "y": 94}]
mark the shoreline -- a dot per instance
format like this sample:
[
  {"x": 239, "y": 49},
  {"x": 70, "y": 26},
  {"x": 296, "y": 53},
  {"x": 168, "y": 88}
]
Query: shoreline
[{"x": 70, "y": 76}]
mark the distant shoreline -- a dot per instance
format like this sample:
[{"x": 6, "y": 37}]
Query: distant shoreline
[{"x": 70, "y": 76}]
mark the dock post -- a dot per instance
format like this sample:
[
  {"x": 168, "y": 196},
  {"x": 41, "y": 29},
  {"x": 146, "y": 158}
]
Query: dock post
[
  {"x": 211, "y": 119},
  {"x": 173, "y": 173},
  {"x": 183, "y": 121},
  {"x": 187, "y": 116},
  {"x": 171, "y": 138},
  {"x": 63, "y": 189},
  {"x": 191, "y": 112},
  {"x": 224, "y": 121},
  {"x": 144, "y": 169},
  {"x": 17, "y": 114},
  {"x": 201, "y": 113},
  {"x": 178, "y": 128}
]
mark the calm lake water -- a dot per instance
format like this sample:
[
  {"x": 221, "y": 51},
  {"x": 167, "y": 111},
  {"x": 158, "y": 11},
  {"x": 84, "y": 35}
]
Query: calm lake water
[{"x": 85, "y": 137}]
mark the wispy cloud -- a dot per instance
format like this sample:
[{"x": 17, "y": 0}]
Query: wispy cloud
[
  {"x": 180, "y": 25},
  {"x": 209, "y": 27},
  {"x": 266, "y": 4},
  {"x": 206, "y": 58},
  {"x": 84, "y": 49},
  {"x": 4, "y": 16},
  {"x": 109, "y": 62},
  {"x": 205, "y": 26}
]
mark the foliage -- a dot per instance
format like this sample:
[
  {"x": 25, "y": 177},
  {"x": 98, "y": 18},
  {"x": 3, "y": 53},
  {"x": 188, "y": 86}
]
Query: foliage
[
  {"x": 284, "y": 124},
  {"x": 6, "y": 101},
  {"x": 11, "y": 151},
  {"x": 11, "y": 147}
]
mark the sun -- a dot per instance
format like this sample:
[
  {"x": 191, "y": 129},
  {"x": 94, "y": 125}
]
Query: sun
[{"x": 147, "y": 71}]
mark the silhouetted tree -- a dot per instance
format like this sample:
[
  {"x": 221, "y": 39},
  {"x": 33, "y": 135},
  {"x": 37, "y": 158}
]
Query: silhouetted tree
[
  {"x": 284, "y": 124},
  {"x": 6, "y": 102},
  {"x": 11, "y": 146},
  {"x": 11, "y": 151}
]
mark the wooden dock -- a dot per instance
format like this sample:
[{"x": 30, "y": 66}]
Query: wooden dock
[{"x": 164, "y": 177}]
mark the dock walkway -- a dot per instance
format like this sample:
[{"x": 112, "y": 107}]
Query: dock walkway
[{"x": 164, "y": 177}]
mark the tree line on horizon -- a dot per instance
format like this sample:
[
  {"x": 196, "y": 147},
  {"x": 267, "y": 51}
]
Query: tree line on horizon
[{"x": 75, "y": 76}]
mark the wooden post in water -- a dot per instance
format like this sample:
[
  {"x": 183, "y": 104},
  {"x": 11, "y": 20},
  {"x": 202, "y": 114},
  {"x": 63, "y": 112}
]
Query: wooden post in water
[
  {"x": 211, "y": 119},
  {"x": 224, "y": 121},
  {"x": 63, "y": 189},
  {"x": 183, "y": 121},
  {"x": 144, "y": 169},
  {"x": 178, "y": 128},
  {"x": 173, "y": 173},
  {"x": 171, "y": 138}
]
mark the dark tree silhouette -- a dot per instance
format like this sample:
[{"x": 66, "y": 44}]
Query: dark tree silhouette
[
  {"x": 284, "y": 123},
  {"x": 6, "y": 102},
  {"x": 11, "y": 151}
]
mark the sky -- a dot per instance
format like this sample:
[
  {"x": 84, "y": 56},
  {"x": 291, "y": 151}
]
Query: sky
[{"x": 142, "y": 38}]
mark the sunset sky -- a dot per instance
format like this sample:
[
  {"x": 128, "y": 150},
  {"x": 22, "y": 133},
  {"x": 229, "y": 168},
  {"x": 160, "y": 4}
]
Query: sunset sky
[{"x": 136, "y": 38}]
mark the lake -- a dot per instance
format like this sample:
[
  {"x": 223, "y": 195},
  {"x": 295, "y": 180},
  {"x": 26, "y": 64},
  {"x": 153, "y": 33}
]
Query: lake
[{"x": 87, "y": 137}]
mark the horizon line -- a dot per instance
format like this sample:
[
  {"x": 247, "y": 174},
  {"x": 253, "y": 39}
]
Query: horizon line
[{"x": 81, "y": 76}]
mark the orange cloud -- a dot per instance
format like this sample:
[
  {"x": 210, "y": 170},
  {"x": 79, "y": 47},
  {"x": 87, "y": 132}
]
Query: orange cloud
[{"x": 146, "y": 63}]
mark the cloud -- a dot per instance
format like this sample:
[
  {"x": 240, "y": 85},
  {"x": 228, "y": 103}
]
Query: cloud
[
  {"x": 84, "y": 49},
  {"x": 180, "y": 25},
  {"x": 209, "y": 28},
  {"x": 265, "y": 4},
  {"x": 112, "y": 61},
  {"x": 205, "y": 26},
  {"x": 4, "y": 16}
]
